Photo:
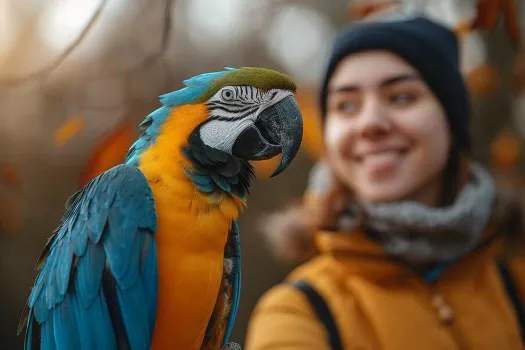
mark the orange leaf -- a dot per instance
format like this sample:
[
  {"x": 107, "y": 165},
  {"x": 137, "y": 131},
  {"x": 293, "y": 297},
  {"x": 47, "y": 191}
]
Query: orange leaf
[
  {"x": 8, "y": 175},
  {"x": 488, "y": 13},
  {"x": 69, "y": 129},
  {"x": 358, "y": 12},
  {"x": 110, "y": 151},
  {"x": 463, "y": 28},
  {"x": 10, "y": 213},
  {"x": 482, "y": 80},
  {"x": 505, "y": 150}
]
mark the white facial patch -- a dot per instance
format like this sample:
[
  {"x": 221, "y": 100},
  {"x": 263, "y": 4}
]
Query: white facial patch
[
  {"x": 221, "y": 134},
  {"x": 233, "y": 109},
  {"x": 277, "y": 95}
]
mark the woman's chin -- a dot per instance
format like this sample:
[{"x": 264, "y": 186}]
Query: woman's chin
[{"x": 391, "y": 191}]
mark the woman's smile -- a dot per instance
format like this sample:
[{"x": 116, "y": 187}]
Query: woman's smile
[{"x": 380, "y": 162}]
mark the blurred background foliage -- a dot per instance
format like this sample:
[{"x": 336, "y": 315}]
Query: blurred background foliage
[{"x": 77, "y": 76}]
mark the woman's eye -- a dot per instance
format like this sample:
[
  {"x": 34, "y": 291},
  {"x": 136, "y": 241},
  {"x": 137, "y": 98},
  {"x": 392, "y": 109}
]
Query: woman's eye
[
  {"x": 402, "y": 98},
  {"x": 347, "y": 107}
]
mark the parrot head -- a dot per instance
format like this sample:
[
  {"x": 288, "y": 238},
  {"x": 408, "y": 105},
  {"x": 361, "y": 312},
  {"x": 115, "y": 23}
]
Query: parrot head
[
  {"x": 244, "y": 114},
  {"x": 253, "y": 115}
]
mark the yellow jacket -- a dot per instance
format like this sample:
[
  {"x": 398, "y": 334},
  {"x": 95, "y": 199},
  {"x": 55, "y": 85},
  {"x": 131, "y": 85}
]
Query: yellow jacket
[{"x": 380, "y": 304}]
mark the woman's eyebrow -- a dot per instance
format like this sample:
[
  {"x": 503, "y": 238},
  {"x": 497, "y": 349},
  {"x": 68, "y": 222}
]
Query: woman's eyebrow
[
  {"x": 344, "y": 88},
  {"x": 399, "y": 78},
  {"x": 388, "y": 81}
]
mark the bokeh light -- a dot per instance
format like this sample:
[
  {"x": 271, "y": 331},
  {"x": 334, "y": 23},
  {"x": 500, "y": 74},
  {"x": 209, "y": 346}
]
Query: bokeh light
[
  {"x": 61, "y": 22},
  {"x": 7, "y": 29},
  {"x": 473, "y": 51},
  {"x": 299, "y": 38},
  {"x": 211, "y": 24}
]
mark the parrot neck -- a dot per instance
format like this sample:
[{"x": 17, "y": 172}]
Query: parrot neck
[{"x": 170, "y": 169}]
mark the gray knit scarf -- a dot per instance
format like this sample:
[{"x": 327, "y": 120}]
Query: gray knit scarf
[{"x": 419, "y": 234}]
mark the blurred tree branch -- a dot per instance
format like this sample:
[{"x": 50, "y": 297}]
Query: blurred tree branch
[
  {"x": 149, "y": 61},
  {"x": 44, "y": 72},
  {"x": 166, "y": 35}
]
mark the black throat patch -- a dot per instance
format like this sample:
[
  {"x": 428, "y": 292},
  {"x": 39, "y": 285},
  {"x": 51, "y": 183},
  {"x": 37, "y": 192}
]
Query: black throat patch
[{"x": 217, "y": 170}]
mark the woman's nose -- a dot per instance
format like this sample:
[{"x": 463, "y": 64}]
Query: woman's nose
[{"x": 374, "y": 121}]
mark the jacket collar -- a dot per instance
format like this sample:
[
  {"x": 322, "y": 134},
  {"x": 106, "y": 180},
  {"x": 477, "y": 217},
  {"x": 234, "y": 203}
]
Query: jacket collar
[{"x": 360, "y": 255}]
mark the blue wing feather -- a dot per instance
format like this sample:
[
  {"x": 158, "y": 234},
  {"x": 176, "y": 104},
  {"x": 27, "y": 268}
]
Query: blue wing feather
[
  {"x": 149, "y": 280},
  {"x": 236, "y": 293},
  {"x": 107, "y": 229},
  {"x": 48, "y": 338},
  {"x": 64, "y": 325}
]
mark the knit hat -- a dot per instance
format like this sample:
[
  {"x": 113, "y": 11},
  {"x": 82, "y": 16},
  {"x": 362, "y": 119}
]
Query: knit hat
[{"x": 430, "y": 48}]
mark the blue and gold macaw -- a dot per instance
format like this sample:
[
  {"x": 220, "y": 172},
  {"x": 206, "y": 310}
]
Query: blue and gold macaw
[{"x": 147, "y": 254}]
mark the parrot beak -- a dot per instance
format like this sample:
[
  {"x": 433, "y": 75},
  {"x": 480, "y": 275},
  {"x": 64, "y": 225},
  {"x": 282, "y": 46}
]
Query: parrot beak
[{"x": 278, "y": 129}]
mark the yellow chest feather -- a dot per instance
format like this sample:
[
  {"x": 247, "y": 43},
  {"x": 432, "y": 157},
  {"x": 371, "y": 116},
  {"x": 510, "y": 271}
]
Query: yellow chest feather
[{"x": 192, "y": 233}]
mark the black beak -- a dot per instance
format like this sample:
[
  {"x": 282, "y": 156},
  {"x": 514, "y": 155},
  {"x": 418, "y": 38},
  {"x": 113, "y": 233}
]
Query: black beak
[{"x": 278, "y": 129}]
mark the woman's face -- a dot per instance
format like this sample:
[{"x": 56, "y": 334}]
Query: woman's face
[{"x": 386, "y": 134}]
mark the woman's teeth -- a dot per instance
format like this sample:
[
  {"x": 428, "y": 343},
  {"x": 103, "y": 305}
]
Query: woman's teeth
[{"x": 381, "y": 156}]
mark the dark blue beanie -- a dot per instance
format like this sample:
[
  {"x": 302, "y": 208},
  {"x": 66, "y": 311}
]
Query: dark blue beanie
[{"x": 430, "y": 48}]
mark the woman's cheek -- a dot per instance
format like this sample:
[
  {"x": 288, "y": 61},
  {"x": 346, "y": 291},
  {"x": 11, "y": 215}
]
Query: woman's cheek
[
  {"x": 425, "y": 120},
  {"x": 336, "y": 132}
]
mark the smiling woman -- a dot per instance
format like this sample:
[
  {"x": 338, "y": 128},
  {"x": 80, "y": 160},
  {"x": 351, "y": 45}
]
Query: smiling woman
[
  {"x": 407, "y": 228},
  {"x": 383, "y": 124}
]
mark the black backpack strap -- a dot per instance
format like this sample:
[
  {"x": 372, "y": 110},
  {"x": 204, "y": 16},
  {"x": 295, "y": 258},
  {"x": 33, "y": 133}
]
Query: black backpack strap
[
  {"x": 513, "y": 294},
  {"x": 322, "y": 311}
]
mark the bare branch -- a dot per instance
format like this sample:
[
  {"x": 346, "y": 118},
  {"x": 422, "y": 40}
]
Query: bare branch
[
  {"x": 152, "y": 58},
  {"x": 44, "y": 72},
  {"x": 156, "y": 57}
]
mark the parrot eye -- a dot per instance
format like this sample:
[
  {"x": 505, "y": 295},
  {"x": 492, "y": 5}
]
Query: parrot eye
[{"x": 227, "y": 95}]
